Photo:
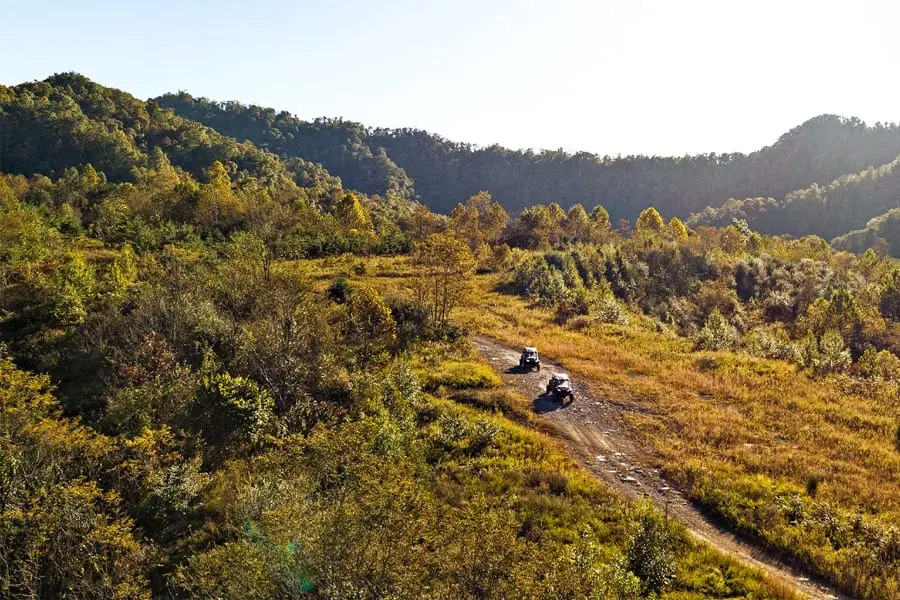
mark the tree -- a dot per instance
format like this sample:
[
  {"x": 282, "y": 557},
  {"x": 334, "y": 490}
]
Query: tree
[
  {"x": 479, "y": 221},
  {"x": 492, "y": 217},
  {"x": 890, "y": 297},
  {"x": 61, "y": 535},
  {"x": 600, "y": 218},
  {"x": 370, "y": 326},
  {"x": 717, "y": 333},
  {"x": 231, "y": 409},
  {"x": 217, "y": 206},
  {"x": 534, "y": 228},
  {"x": 677, "y": 229},
  {"x": 422, "y": 222},
  {"x": 578, "y": 226},
  {"x": 464, "y": 223},
  {"x": 352, "y": 215},
  {"x": 444, "y": 276},
  {"x": 649, "y": 221}
]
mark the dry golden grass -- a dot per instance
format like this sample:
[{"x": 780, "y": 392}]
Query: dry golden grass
[
  {"x": 736, "y": 432},
  {"x": 763, "y": 415}
]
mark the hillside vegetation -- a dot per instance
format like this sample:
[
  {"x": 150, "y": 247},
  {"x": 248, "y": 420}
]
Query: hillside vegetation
[
  {"x": 184, "y": 413},
  {"x": 841, "y": 209},
  {"x": 224, "y": 374}
]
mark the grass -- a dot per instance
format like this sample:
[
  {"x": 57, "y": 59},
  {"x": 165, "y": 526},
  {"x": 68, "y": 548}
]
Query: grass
[
  {"x": 743, "y": 436},
  {"x": 740, "y": 435},
  {"x": 458, "y": 375},
  {"x": 557, "y": 500}
]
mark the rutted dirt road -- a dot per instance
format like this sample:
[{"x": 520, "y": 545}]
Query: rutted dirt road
[{"x": 595, "y": 433}]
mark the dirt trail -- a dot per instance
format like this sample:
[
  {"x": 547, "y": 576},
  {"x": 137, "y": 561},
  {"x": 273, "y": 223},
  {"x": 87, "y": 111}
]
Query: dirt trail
[{"x": 594, "y": 432}]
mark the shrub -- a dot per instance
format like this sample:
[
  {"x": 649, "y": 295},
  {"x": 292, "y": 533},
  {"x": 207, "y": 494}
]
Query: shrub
[
  {"x": 879, "y": 364},
  {"x": 482, "y": 435},
  {"x": 231, "y": 408},
  {"x": 535, "y": 279},
  {"x": 812, "y": 485},
  {"x": 650, "y": 555},
  {"x": 772, "y": 342},
  {"x": 609, "y": 310},
  {"x": 717, "y": 333},
  {"x": 826, "y": 354},
  {"x": 339, "y": 290}
]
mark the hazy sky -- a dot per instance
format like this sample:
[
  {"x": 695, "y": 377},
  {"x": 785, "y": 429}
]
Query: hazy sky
[{"x": 631, "y": 76}]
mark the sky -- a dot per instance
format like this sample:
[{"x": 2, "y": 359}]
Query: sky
[{"x": 609, "y": 77}]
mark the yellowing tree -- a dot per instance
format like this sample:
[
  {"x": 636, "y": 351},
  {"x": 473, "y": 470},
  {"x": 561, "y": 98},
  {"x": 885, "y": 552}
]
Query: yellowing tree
[
  {"x": 217, "y": 206},
  {"x": 480, "y": 220},
  {"x": 677, "y": 229},
  {"x": 492, "y": 217},
  {"x": 649, "y": 220},
  {"x": 422, "y": 222},
  {"x": 444, "y": 279},
  {"x": 464, "y": 223},
  {"x": 370, "y": 325},
  {"x": 352, "y": 215}
]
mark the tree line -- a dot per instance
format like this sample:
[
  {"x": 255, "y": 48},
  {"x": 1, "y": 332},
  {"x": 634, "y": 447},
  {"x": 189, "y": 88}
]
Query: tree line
[{"x": 443, "y": 173}]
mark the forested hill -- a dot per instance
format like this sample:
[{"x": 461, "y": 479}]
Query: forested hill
[
  {"x": 340, "y": 146},
  {"x": 833, "y": 209},
  {"x": 819, "y": 150},
  {"x": 445, "y": 173},
  {"x": 68, "y": 120}
]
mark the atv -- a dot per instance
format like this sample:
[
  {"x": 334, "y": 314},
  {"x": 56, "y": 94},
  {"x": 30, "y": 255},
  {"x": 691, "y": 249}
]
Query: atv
[
  {"x": 529, "y": 359},
  {"x": 560, "y": 387}
]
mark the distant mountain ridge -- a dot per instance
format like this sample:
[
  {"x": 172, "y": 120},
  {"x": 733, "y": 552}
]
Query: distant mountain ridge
[{"x": 443, "y": 173}]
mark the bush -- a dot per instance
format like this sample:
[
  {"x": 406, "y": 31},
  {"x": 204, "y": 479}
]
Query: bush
[
  {"x": 536, "y": 280},
  {"x": 812, "y": 485},
  {"x": 609, "y": 310},
  {"x": 879, "y": 365},
  {"x": 650, "y": 555},
  {"x": 772, "y": 342},
  {"x": 339, "y": 290},
  {"x": 717, "y": 333},
  {"x": 231, "y": 408},
  {"x": 826, "y": 354}
]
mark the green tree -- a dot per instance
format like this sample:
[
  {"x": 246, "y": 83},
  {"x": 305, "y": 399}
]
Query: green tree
[
  {"x": 600, "y": 218},
  {"x": 890, "y": 297},
  {"x": 578, "y": 226},
  {"x": 717, "y": 333}
]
